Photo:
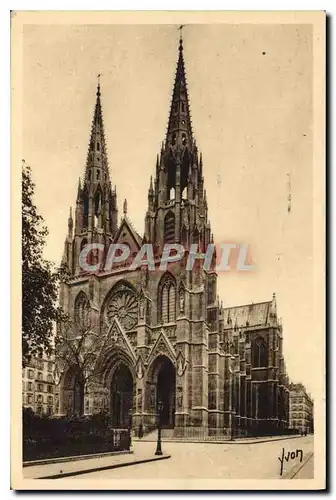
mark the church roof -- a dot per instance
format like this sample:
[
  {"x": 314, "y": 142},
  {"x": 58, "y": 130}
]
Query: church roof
[
  {"x": 247, "y": 315},
  {"x": 126, "y": 222}
]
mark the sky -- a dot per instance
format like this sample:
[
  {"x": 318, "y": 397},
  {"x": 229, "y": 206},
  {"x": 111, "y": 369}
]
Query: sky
[{"x": 250, "y": 91}]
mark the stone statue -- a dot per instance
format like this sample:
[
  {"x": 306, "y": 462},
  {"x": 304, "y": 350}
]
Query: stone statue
[
  {"x": 142, "y": 308},
  {"x": 139, "y": 400},
  {"x": 139, "y": 369},
  {"x": 182, "y": 299},
  {"x": 179, "y": 398}
]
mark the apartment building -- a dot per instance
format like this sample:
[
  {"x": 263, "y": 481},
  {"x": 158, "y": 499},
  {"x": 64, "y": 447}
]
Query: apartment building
[
  {"x": 301, "y": 409},
  {"x": 38, "y": 385}
]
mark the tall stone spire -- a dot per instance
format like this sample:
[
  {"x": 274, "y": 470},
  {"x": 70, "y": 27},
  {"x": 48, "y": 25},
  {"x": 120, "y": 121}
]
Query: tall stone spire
[
  {"x": 179, "y": 132},
  {"x": 96, "y": 163},
  {"x": 176, "y": 211},
  {"x": 96, "y": 213}
]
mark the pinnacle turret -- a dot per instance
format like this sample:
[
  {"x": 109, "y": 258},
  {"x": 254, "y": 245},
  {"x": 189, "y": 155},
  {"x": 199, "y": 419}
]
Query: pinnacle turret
[
  {"x": 70, "y": 224},
  {"x": 151, "y": 190},
  {"x": 79, "y": 190}
]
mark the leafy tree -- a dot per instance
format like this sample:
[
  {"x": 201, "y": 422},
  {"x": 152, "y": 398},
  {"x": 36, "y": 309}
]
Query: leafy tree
[
  {"x": 77, "y": 348},
  {"x": 39, "y": 278}
]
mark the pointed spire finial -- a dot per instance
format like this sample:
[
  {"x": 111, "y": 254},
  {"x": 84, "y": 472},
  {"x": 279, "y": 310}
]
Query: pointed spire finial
[
  {"x": 125, "y": 207},
  {"x": 180, "y": 28},
  {"x": 98, "y": 83},
  {"x": 151, "y": 184}
]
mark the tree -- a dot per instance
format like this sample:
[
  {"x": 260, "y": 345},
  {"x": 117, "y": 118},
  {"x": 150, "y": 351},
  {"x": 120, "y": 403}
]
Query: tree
[
  {"x": 77, "y": 347},
  {"x": 39, "y": 278}
]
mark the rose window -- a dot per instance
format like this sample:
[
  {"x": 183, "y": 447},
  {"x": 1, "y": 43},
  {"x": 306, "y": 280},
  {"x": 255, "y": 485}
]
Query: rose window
[{"x": 124, "y": 306}]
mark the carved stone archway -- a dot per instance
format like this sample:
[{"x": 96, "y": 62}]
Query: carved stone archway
[
  {"x": 161, "y": 386},
  {"x": 117, "y": 376}
]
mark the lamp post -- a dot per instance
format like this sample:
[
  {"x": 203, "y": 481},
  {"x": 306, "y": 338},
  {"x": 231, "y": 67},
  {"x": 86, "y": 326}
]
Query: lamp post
[
  {"x": 232, "y": 396},
  {"x": 158, "y": 444},
  {"x": 130, "y": 427}
]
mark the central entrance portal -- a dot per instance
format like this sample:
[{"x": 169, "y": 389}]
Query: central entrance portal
[
  {"x": 121, "y": 396},
  {"x": 165, "y": 391}
]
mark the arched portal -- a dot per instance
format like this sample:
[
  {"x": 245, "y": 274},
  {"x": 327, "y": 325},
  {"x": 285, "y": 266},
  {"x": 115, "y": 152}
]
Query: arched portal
[
  {"x": 72, "y": 388},
  {"x": 121, "y": 396},
  {"x": 165, "y": 391},
  {"x": 163, "y": 381}
]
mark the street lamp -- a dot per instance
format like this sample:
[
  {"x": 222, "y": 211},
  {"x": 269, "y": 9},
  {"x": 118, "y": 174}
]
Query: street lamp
[
  {"x": 232, "y": 395},
  {"x": 158, "y": 444},
  {"x": 130, "y": 427}
]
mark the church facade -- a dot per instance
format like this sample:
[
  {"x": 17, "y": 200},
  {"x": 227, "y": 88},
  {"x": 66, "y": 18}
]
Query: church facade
[{"x": 160, "y": 335}]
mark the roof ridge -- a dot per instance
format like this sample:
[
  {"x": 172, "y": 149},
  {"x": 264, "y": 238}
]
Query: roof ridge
[{"x": 248, "y": 304}]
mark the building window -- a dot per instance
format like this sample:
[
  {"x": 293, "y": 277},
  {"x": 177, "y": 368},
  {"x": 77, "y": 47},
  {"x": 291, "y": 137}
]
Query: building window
[
  {"x": 172, "y": 194},
  {"x": 30, "y": 374},
  {"x": 50, "y": 366},
  {"x": 39, "y": 376},
  {"x": 82, "y": 309},
  {"x": 182, "y": 107},
  {"x": 39, "y": 399},
  {"x": 169, "y": 228},
  {"x": 98, "y": 146},
  {"x": 50, "y": 400},
  {"x": 259, "y": 351},
  {"x": 29, "y": 386},
  {"x": 29, "y": 398},
  {"x": 50, "y": 389},
  {"x": 40, "y": 387},
  {"x": 167, "y": 298},
  {"x": 49, "y": 377}
]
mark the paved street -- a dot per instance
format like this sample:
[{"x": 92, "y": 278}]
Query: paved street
[{"x": 215, "y": 461}]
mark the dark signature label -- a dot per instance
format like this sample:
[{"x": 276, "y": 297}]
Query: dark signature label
[{"x": 289, "y": 456}]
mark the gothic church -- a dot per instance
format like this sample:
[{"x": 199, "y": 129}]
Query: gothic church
[{"x": 164, "y": 336}]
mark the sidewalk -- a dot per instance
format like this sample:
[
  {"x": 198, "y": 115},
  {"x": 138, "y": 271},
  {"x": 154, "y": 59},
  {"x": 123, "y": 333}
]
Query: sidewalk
[
  {"x": 80, "y": 466},
  {"x": 306, "y": 471},
  {"x": 243, "y": 440}
]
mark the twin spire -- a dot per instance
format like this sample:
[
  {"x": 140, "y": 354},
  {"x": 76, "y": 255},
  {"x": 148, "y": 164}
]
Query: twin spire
[
  {"x": 179, "y": 131},
  {"x": 179, "y": 140}
]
